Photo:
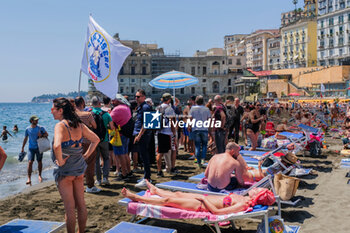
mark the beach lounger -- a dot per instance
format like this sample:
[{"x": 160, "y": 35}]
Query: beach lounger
[
  {"x": 31, "y": 226},
  {"x": 127, "y": 227},
  {"x": 163, "y": 212},
  {"x": 309, "y": 128}
]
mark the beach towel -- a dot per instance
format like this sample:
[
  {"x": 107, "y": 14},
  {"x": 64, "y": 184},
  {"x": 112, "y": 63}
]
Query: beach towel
[{"x": 153, "y": 211}]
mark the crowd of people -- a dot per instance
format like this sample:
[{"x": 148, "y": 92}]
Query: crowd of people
[{"x": 83, "y": 147}]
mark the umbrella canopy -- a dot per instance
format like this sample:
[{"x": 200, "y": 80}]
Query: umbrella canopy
[
  {"x": 294, "y": 94},
  {"x": 173, "y": 80}
]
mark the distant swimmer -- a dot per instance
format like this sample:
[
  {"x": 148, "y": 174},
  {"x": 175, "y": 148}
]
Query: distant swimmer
[
  {"x": 15, "y": 129},
  {"x": 4, "y": 133}
]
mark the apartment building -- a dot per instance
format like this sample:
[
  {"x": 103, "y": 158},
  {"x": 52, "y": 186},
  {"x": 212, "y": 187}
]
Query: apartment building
[{"x": 333, "y": 32}]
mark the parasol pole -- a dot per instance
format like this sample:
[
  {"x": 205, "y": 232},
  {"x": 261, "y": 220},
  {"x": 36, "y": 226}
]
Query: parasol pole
[
  {"x": 174, "y": 90},
  {"x": 79, "y": 83}
]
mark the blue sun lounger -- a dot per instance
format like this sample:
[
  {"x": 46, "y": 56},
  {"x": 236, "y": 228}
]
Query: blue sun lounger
[
  {"x": 127, "y": 227},
  {"x": 31, "y": 226},
  {"x": 308, "y": 128}
]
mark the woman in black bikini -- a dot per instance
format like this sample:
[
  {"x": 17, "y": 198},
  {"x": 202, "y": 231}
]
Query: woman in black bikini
[{"x": 254, "y": 120}]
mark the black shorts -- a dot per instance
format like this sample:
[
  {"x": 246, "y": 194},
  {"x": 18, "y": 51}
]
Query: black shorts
[{"x": 164, "y": 143}]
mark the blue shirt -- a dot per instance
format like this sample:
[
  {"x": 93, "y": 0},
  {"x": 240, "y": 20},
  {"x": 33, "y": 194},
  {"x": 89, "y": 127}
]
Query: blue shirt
[
  {"x": 32, "y": 133},
  {"x": 106, "y": 119},
  {"x": 144, "y": 107}
]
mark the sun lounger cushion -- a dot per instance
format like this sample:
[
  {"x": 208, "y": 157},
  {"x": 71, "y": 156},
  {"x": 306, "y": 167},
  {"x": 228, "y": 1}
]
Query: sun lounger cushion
[
  {"x": 128, "y": 227},
  {"x": 154, "y": 211},
  {"x": 31, "y": 226},
  {"x": 308, "y": 128}
]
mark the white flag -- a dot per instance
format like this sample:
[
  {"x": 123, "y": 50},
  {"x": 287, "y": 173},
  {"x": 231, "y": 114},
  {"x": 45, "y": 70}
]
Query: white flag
[
  {"x": 323, "y": 89},
  {"x": 103, "y": 58}
]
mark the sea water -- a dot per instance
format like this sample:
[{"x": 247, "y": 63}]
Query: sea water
[{"x": 14, "y": 173}]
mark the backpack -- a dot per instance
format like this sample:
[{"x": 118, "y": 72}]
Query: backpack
[
  {"x": 128, "y": 129},
  {"x": 218, "y": 116},
  {"x": 100, "y": 130}
]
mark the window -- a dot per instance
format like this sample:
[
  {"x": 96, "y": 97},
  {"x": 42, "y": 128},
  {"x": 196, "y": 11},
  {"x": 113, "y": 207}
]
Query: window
[
  {"x": 322, "y": 54},
  {"x": 121, "y": 80},
  {"x": 204, "y": 70},
  {"x": 144, "y": 80},
  {"x": 132, "y": 89},
  {"x": 331, "y": 52},
  {"x": 204, "y": 90},
  {"x": 132, "y": 61},
  {"x": 121, "y": 89},
  {"x": 182, "y": 91},
  {"x": 144, "y": 71},
  {"x": 331, "y": 31},
  {"x": 223, "y": 62},
  {"x": 121, "y": 72},
  {"x": 143, "y": 61},
  {"x": 216, "y": 87},
  {"x": 132, "y": 70},
  {"x": 230, "y": 61},
  {"x": 198, "y": 70},
  {"x": 229, "y": 82},
  {"x": 341, "y": 19},
  {"x": 204, "y": 80},
  {"x": 132, "y": 80},
  {"x": 331, "y": 43},
  {"x": 340, "y": 52},
  {"x": 238, "y": 62},
  {"x": 340, "y": 29},
  {"x": 193, "y": 70},
  {"x": 322, "y": 24},
  {"x": 331, "y": 21},
  {"x": 340, "y": 41},
  {"x": 193, "y": 90}
]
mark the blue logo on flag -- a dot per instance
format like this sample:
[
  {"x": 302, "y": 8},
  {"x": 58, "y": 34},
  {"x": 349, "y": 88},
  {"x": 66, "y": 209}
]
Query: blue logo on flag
[{"x": 152, "y": 120}]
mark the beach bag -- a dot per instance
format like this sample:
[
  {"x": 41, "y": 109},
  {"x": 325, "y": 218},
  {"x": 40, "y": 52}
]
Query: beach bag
[
  {"x": 128, "y": 129},
  {"x": 100, "y": 130},
  {"x": 276, "y": 225},
  {"x": 315, "y": 148},
  {"x": 43, "y": 144},
  {"x": 115, "y": 140},
  {"x": 285, "y": 186},
  {"x": 270, "y": 143}
]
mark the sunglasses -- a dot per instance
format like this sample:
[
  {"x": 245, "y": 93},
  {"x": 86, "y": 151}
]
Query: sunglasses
[{"x": 137, "y": 96}]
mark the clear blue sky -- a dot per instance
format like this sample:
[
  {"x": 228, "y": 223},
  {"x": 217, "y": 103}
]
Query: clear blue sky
[{"x": 42, "y": 41}]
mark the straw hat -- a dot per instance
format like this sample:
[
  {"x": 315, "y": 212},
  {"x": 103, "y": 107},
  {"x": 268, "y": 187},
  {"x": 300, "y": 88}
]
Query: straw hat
[{"x": 290, "y": 158}]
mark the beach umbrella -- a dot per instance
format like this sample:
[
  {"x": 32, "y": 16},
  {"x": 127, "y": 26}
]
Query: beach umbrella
[
  {"x": 173, "y": 80},
  {"x": 294, "y": 94}
]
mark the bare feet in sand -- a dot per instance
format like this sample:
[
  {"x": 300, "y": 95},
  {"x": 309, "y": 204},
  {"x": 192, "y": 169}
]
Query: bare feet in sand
[
  {"x": 151, "y": 187},
  {"x": 40, "y": 179},
  {"x": 127, "y": 193}
]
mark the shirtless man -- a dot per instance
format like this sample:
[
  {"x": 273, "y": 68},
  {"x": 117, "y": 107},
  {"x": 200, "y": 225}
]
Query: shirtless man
[{"x": 220, "y": 169}]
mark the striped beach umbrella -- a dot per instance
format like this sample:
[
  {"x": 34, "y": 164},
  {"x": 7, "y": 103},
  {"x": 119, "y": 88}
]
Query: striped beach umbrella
[{"x": 173, "y": 80}]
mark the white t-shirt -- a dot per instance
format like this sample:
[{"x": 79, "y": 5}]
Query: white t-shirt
[
  {"x": 200, "y": 113},
  {"x": 169, "y": 112}
]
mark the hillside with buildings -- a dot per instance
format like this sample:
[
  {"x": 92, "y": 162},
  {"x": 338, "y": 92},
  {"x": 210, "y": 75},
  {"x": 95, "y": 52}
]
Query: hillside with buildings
[
  {"x": 310, "y": 48},
  {"x": 46, "y": 98}
]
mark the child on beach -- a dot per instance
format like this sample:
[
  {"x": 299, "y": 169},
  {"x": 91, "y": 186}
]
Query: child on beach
[
  {"x": 4, "y": 133},
  {"x": 15, "y": 129}
]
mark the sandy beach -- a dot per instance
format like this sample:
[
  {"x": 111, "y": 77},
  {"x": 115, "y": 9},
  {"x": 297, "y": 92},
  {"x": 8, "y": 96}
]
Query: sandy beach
[{"x": 324, "y": 207}]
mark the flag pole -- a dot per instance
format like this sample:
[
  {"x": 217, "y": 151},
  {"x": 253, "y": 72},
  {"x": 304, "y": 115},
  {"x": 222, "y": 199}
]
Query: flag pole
[{"x": 79, "y": 83}]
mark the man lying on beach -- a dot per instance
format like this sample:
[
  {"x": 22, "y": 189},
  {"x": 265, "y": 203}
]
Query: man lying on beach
[
  {"x": 221, "y": 166},
  {"x": 215, "y": 204},
  {"x": 3, "y": 157}
]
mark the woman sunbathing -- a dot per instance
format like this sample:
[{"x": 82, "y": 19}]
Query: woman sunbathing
[{"x": 215, "y": 204}]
